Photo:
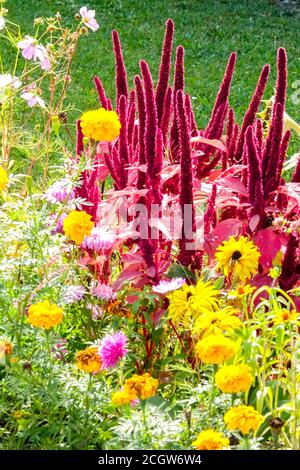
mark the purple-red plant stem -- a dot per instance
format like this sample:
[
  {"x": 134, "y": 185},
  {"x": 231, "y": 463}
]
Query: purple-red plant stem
[{"x": 101, "y": 92}]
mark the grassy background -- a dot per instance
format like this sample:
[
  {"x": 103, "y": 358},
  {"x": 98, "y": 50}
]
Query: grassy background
[{"x": 209, "y": 31}]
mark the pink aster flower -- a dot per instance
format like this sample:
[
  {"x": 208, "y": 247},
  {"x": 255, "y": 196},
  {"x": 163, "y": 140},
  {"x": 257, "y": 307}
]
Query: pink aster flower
[
  {"x": 103, "y": 292},
  {"x": 112, "y": 349},
  {"x": 99, "y": 239},
  {"x": 33, "y": 99},
  {"x": 88, "y": 18},
  {"x": 59, "y": 191},
  {"x": 167, "y": 285}
]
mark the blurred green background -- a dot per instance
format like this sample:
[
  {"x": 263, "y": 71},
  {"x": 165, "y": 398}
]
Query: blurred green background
[{"x": 209, "y": 31}]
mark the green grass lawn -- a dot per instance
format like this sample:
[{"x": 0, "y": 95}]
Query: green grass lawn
[{"x": 209, "y": 31}]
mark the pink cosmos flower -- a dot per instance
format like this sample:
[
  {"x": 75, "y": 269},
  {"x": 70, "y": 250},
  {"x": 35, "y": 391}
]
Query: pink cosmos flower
[
  {"x": 33, "y": 99},
  {"x": 103, "y": 292},
  {"x": 167, "y": 285},
  {"x": 31, "y": 50},
  {"x": 88, "y": 18},
  {"x": 99, "y": 239},
  {"x": 112, "y": 349}
]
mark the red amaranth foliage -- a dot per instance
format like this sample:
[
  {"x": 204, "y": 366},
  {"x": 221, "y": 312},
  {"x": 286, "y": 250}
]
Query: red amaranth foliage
[
  {"x": 255, "y": 189},
  {"x": 121, "y": 76},
  {"x": 79, "y": 139},
  {"x": 178, "y": 85},
  {"x": 290, "y": 273},
  {"x": 249, "y": 117},
  {"x": 210, "y": 216},
  {"x": 186, "y": 198},
  {"x": 166, "y": 117},
  {"x": 141, "y": 180},
  {"x": 101, "y": 92},
  {"x": 164, "y": 71},
  {"x": 296, "y": 174}
]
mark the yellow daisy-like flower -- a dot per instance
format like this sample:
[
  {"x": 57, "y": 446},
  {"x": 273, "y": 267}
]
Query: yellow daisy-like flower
[
  {"x": 285, "y": 316},
  {"x": 141, "y": 386},
  {"x": 44, "y": 315},
  {"x": 215, "y": 349},
  {"x": 241, "y": 291},
  {"x": 3, "y": 178},
  {"x": 100, "y": 125},
  {"x": 211, "y": 440},
  {"x": 243, "y": 418},
  {"x": 234, "y": 379},
  {"x": 189, "y": 302},
  {"x": 89, "y": 360},
  {"x": 238, "y": 258},
  {"x": 224, "y": 320},
  {"x": 77, "y": 225},
  {"x": 6, "y": 348}
]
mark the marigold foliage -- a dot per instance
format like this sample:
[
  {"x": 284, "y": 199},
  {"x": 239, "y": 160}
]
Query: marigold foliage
[
  {"x": 211, "y": 440},
  {"x": 100, "y": 125},
  {"x": 77, "y": 225},
  {"x": 45, "y": 315}
]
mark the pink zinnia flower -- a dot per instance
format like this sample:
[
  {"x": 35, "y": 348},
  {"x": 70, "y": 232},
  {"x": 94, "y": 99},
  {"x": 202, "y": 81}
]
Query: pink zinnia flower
[
  {"x": 103, "y": 292},
  {"x": 112, "y": 349},
  {"x": 167, "y": 285},
  {"x": 88, "y": 18},
  {"x": 33, "y": 99},
  {"x": 99, "y": 239}
]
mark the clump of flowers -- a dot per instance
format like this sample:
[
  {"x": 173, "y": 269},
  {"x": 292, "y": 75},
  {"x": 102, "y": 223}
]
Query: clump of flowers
[
  {"x": 3, "y": 178},
  {"x": 238, "y": 258},
  {"x": 243, "y": 418},
  {"x": 45, "y": 315},
  {"x": 100, "y": 125},
  {"x": 89, "y": 360},
  {"x": 77, "y": 225},
  {"x": 215, "y": 349},
  {"x": 210, "y": 440},
  {"x": 234, "y": 378},
  {"x": 112, "y": 349}
]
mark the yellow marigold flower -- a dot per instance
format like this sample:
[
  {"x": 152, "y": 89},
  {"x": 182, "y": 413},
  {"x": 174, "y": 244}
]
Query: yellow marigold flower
[
  {"x": 100, "y": 125},
  {"x": 3, "y": 178},
  {"x": 238, "y": 257},
  {"x": 6, "y": 348},
  {"x": 285, "y": 316},
  {"x": 211, "y": 440},
  {"x": 89, "y": 360},
  {"x": 44, "y": 315},
  {"x": 142, "y": 386},
  {"x": 241, "y": 291},
  {"x": 243, "y": 418},
  {"x": 189, "y": 302},
  {"x": 123, "y": 397},
  {"x": 77, "y": 225},
  {"x": 224, "y": 320},
  {"x": 234, "y": 379},
  {"x": 215, "y": 349}
]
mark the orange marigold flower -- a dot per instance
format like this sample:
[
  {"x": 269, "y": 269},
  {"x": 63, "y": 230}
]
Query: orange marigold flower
[
  {"x": 89, "y": 360},
  {"x": 234, "y": 378},
  {"x": 211, "y": 440},
  {"x": 243, "y": 418},
  {"x": 77, "y": 225},
  {"x": 215, "y": 349}
]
